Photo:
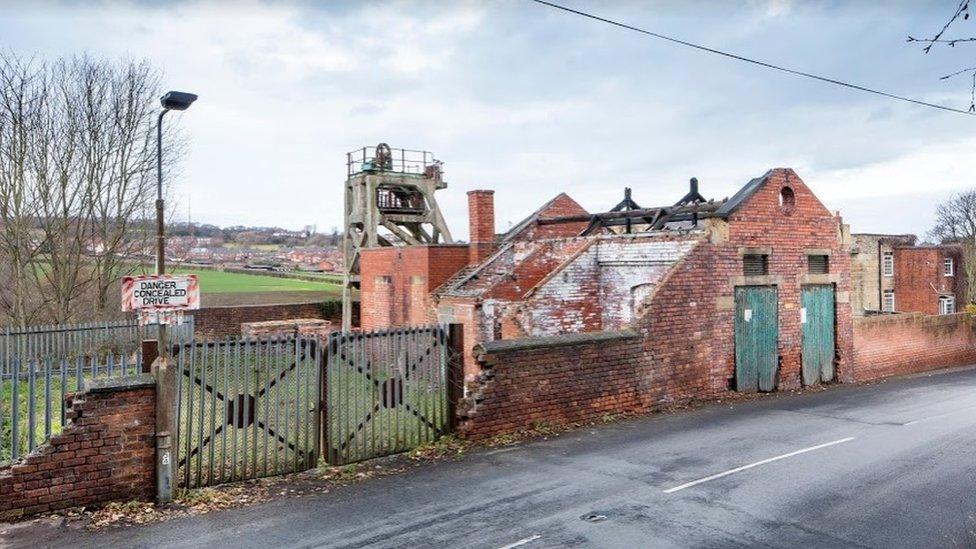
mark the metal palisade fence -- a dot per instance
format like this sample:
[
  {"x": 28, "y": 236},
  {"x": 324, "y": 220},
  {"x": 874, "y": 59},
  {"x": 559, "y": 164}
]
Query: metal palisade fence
[
  {"x": 70, "y": 341},
  {"x": 34, "y": 396}
]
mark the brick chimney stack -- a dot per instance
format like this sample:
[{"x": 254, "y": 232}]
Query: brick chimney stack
[{"x": 481, "y": 225}]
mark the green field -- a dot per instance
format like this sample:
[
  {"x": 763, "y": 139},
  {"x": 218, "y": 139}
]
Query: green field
[{"x": 219, "y": 282}]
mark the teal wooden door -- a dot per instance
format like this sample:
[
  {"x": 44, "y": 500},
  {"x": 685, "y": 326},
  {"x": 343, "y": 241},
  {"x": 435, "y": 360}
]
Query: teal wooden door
[
  {"x": 756, "y": 338},
  {"x": 817, "y": 327}
]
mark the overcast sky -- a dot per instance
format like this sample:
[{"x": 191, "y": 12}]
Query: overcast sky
[{"x": 529, "y": 101}]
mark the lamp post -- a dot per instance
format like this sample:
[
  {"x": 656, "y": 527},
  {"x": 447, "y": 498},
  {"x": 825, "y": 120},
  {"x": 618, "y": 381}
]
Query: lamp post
[{"x": 165, "y": 376}]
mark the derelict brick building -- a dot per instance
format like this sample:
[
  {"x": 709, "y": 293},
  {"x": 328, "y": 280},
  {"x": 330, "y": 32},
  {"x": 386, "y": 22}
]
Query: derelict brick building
[{"x": 749, "y": 293}]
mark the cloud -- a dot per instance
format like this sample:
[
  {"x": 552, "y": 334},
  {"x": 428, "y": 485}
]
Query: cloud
[{"x": 527, "y": 100}]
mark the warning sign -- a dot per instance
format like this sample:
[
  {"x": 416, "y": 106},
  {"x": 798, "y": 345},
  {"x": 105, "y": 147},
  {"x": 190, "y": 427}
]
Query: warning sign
[{"x": 160, "y": 293}]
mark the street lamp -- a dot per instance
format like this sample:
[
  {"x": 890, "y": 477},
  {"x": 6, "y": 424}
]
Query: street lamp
[
  {"x": 172, "y": 101},
  {"x": 165, "y": 376}
]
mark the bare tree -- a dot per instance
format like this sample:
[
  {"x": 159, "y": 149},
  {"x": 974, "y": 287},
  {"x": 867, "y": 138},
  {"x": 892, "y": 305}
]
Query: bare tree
[
  {"x": 955, "y": 222},
  {"x": 21, "y": 106},
  {"x": 961, "y": 14},
  {"x": 77, "y": 181}
]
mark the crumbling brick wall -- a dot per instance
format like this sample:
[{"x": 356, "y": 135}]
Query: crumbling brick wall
[
  {"x": 306, "y": 327},
  {"x": 689, "y": 321},
  {"x": 908, "y": 343},
  {"x": 106, "y": 453},
  {"x": 553, "y": 380}
]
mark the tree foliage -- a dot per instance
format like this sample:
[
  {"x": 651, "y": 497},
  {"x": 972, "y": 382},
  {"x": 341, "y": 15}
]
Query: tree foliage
[{"x": 955, "y": 223}]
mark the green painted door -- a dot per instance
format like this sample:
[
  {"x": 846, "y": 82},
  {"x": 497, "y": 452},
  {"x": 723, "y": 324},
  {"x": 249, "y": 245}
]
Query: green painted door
[
  {"x": 756, "y": 336},
  {"x": 817, "y": 327}
]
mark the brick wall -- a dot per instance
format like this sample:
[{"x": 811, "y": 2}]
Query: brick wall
[
  {"x": 867, "y": 281},
  {"x": 396, "y": 282},
  {"x": 909, "y": 343},
  {"x": 560, "y": 206},
  {"x": 919, "y": 279},
  {"x": 218, "y": 322},
  {"x": 560, "y": 379},
  {"x": 689, "y": 320},
  {"x": 106, "y": 453}
]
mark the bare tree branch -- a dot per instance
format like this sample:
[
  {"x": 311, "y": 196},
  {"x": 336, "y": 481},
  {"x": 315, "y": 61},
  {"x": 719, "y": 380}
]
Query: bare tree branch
[{"x": 962, "y": 11}]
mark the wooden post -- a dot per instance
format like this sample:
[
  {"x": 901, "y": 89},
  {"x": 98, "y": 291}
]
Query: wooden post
[
  {"x": 150, "y": 350},
  {"x": 455, "y": 372}
]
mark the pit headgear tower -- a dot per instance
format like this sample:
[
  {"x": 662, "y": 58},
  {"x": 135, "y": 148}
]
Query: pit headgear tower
[{"x": 389, "y": 201}]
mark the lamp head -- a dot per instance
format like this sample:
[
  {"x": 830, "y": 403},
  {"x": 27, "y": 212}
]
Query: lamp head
[{"x": 177, "y": 101}]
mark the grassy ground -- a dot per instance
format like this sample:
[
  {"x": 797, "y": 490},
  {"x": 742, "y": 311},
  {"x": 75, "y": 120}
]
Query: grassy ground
[{"x": 219, "y": 282}]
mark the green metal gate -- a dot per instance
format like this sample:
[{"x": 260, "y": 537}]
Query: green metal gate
[
  {"x": 385, "y": 392},
  {"x": 246, "y": 409},
  {"x": 756, "y": 338},
  {"x": 817, "y": 327},
  {"x": 253, "y": 408}
]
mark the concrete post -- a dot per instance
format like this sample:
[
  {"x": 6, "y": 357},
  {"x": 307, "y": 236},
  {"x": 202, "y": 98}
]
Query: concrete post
[{"x": 165, "y": 427}]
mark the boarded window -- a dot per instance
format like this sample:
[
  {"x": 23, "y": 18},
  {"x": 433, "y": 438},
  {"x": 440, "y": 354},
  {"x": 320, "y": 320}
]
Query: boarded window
[
  {"x": 818, "y": 264},
  {"x": 755, "y": 264}
]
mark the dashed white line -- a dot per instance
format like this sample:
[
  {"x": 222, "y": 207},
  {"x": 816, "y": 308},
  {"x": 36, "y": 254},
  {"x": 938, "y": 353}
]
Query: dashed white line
[
  {"x": 756, "y": 464},
  {"x": 521, "y": 542}
]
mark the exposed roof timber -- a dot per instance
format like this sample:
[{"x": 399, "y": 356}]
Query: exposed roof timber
[
  {"x": 627, "y": 203},
  {"x": 655, "y": 218},
  {"x": 693, "y": 196}
]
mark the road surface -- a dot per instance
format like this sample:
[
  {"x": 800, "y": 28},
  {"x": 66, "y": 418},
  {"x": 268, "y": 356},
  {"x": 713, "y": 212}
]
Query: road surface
[{"x": 885, "y": 465}]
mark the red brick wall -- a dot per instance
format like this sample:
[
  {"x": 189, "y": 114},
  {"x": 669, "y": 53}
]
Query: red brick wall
[
  {"x": 907, "y": 343},
  {"x": 919, "y": 278},
  {"x": 106, "y": 453},
  {"x": 689, "y": 322},
  {"x": 396, "y": 282},
  {"x": 557, "y": 380},
  {"x": 560, "y": 206},
  {"x": 217, "y": 322},
  {"x": 481, "y": 224}
]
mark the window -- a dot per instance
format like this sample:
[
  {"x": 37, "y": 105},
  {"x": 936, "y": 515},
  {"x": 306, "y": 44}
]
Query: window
[
  {"x": 755, "y": 264},
  {"x": 948, "y": 268},
  {"x": 947, "y": 304},
  {"x": 888, "y": 264},
  {"x": 787, "y": 200},
  {"x": 818, "y": 264},
  {"x": 888, "y": 301}
]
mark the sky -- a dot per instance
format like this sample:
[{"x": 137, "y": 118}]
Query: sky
[{"x": 530, "y": 101}]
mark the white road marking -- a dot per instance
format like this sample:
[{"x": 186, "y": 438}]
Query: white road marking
[
  {"x": 521, "y": 542},
  {"x": 909, "y": 423},
  {"x": 756, "y": 464}
]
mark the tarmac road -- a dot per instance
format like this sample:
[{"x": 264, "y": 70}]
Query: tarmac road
[{"x": 885, "y": 465}]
